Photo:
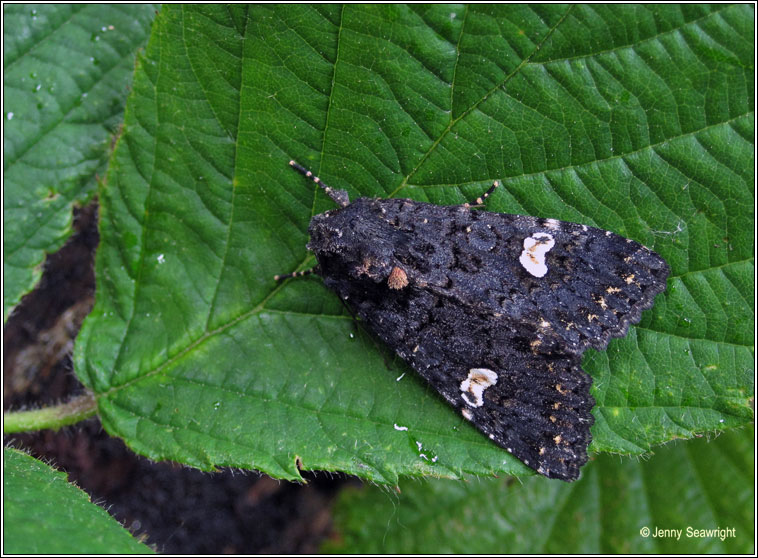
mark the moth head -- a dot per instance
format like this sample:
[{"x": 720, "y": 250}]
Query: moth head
[
  {"x": 355, "y": 241},
  {"x": 327, "y": 233}
]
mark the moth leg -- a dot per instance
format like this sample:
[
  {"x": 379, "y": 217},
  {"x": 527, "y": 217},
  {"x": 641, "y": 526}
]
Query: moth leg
[
  {"x": 338, "y": 196},
  {"x": 296, "y": 274},
  {"x": 480, "y": 200}
]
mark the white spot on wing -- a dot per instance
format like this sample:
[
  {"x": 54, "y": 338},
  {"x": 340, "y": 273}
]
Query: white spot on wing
[
  {"x": 535, "y": 249},
  {"x": 472, "y": 388}
]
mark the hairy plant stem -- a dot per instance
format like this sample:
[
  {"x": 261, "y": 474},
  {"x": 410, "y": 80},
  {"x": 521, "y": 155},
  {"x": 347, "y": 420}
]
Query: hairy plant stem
[{"x": 77, "y": 409}]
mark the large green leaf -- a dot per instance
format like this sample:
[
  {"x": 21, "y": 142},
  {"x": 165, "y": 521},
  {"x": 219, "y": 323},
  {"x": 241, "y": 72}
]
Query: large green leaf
[
  {"x": 635, "y": 119},
  {"x": 44, "y": 514},
  {"x": 701, "y": 485},
  {"x": 66, "y": 70}
]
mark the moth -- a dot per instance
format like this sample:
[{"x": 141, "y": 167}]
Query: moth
[{"x": 493, "y": 310}]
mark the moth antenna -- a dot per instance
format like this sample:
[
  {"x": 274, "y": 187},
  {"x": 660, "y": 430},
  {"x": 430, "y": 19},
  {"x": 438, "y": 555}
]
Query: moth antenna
[
  {"x": 480, "y": 199},
  {"x": 339, "y": 197},
  {"x": 296, "y": 274}
]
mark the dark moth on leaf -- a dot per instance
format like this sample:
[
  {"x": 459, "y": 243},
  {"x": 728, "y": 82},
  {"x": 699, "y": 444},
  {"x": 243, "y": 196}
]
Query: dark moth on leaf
[{"x": 493, "y": 310}]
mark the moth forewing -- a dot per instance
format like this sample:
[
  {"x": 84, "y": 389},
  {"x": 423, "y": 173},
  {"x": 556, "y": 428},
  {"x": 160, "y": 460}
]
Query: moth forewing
[{"x": 493, "y": 310}]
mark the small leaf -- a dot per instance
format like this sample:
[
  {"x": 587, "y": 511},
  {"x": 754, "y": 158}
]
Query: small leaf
[
  {"x": 706, "y": 486},
  {"x": 65, "y": 80},
  {"x": 45, "y": 514},
  {"x": 635, "y": 119}
]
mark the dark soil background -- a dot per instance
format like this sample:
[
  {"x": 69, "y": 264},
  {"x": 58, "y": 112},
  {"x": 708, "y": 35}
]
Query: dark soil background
[{"x": 174, "y": 509}]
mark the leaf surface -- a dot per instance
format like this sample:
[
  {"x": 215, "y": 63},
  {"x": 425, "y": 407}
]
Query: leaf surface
[
  {"x": 634, "y": 119},
  {"x": 45, "y": 514},
  {"x": 704, "y": 485},
  {"x": 66, "y": 71}
]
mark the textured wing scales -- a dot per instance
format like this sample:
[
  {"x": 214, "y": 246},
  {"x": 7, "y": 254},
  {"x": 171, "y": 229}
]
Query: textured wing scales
[
  {"x": 493, "y": 310},
  {"x": 526, "y": 397},
  {"x": 595, "y": 282}
]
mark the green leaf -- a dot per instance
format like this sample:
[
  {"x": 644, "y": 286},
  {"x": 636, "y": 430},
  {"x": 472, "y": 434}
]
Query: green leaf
[
  {"x": 45, "y": 514},
  {"x": 698, "y": 484},
  {"x": 66, "y": 70},
  {"x": 635, "y": 119}
]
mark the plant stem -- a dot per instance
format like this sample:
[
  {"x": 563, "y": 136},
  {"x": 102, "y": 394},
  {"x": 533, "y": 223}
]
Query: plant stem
[{"x": 55, "y": 417}]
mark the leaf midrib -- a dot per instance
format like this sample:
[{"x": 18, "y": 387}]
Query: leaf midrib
[{"x": 466, "y": 112}]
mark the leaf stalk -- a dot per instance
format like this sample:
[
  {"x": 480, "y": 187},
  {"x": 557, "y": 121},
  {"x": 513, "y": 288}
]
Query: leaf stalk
[{"x": 55, "y": 417}]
